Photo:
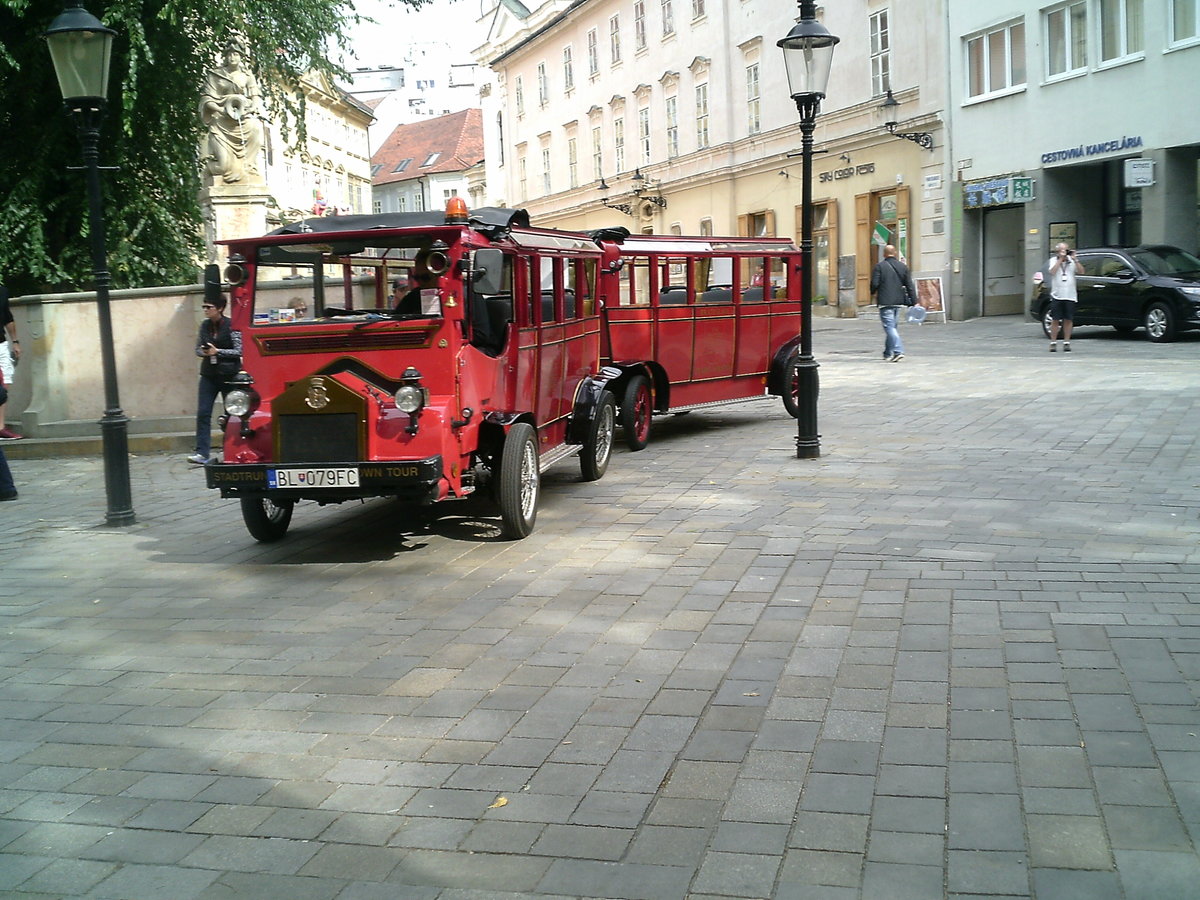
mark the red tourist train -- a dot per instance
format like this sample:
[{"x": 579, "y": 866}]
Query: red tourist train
[{"x": 429, "y": 356}]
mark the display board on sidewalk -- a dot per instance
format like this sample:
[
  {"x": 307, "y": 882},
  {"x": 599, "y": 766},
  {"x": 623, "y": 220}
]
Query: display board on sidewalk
[{"x": 929, "y": 296}]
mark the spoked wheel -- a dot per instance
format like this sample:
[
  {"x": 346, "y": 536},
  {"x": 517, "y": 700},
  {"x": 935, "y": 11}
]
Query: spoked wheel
[
  {"x": 637, "y": 406},
  {"x": 520, "y": 482},
  {"x": 597, "y": 447},
  {"x": 791, "y": 386},
  {"x": 1160, "y": 323},
  {"x": 267, "y": 520}
]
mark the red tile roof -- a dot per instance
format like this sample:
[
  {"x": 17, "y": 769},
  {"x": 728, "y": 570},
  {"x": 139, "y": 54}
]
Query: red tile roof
[{"x": 456, "y": 138}]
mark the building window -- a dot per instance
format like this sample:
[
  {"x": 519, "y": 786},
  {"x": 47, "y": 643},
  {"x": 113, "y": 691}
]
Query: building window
[
  {"x": 614, "y": 39},
  {"x": 881, "y": 46},
  {"x": 572, "y": 164},
  {"x": 706, "y": 228},
  {"x": 543, "y": 85},
  {"x": 402, "y": 203},
  {"x": 500, "y": 137},
  {"x": 701, "y": 116},
  {"x": 402, "y": 165},
  {"x": 419, "y": 201},
  {"x": 672, "y": 127},
  {"x": 522, "y": 174},
  {"x": 1066, "y": 39},
  {"x": 519, "y": 95},
  {"x": 644, "y": 133},
  {"x": 619, "y": 143},
  {"x": 377, "y": 206},
  {"x": 697, "y": 8},
  {"x": 597, "y": 154},
  {"x": 568, "y": 69},
  {"x": 668, "y": 19},
  {"x": 639, "y": 25},
  {"x": 593, "y": 53},
  {"x": 752, "y": 107},
  {"x": 996, "y": 60},
  {"x": 1185, "y": 20},
  {"x": 546, "y": 170},
  {"x": 1120, "y": 29},
  {"x": 430, "y": 159}
]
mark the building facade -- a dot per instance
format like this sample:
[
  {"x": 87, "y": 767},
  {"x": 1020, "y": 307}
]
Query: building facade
[
  {"x": 423, "y": 164},
  {"x": 1071, "y": 121},
  {"x": 331, "y": 168},
  {"x": 674, "y": 116}
]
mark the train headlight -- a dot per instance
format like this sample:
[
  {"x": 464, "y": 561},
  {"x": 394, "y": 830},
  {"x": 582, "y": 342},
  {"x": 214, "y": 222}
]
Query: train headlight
[
  {"x": 241, "y": 399},
  {"x": 410, "y": 396}
]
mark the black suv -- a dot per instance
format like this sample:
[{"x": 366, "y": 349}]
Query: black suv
[{"x": 1154, "y": 286}]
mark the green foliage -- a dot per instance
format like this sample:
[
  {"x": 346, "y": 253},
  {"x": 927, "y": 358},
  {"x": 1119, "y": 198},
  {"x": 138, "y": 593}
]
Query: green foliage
[{"x": 151, "y": 134}]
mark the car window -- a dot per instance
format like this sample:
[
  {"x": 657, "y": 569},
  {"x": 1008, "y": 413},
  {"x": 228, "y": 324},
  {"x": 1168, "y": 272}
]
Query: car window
[
  {"x": 1104, "y": 265},
  {"x": 1167, "y": 260}
]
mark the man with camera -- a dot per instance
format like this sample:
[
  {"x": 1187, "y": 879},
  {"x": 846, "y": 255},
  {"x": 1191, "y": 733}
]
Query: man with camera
[{"x": 1063, "y": 269}]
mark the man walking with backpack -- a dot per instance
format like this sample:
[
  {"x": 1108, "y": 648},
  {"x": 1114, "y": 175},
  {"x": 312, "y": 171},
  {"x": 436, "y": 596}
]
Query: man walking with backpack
[{"x": 892, "y": 286}]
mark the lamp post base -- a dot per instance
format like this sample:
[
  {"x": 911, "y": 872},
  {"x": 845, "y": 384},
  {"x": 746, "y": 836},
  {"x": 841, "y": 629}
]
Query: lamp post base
[
  {"x": 808, "y": 441},
  {"x": 114, "y": 436}
]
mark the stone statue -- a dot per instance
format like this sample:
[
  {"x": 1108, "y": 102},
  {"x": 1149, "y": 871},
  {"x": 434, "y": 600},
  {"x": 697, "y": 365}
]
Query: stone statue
[{"x": 229, "y": 106}]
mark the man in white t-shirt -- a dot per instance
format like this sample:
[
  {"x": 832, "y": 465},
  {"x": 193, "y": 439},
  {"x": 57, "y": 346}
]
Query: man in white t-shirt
[{"x": 1063, "y": 268}]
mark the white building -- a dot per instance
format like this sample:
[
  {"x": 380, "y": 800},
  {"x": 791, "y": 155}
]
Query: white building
[
  {"x": 692, "y": 96},
  {"x": 1073, "y": 120}
]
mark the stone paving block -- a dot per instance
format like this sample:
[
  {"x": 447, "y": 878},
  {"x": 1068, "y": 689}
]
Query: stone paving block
[
  {"x": 583, "y": 842},
  {"x": 1146, "y": 828},
  {"x": 1146, "y": 874},
  {"x": 1067, "y": 884},
  {"x": 901, "y": 881},
  {"x": 626, "y": 880},
  {"x": 829, "y": 831},
  {"x": 1053, "y": 767},
  {"x": 234, "y": 885},
  {"x": 907, "y": 848},
  {"x": 736, "y": 874},
  {"x": 1060, "y": 801},
  {"x": 1068, "y": 842},
  {"x": 244, "y": 854},
  {"x": 846, "y": 757},
  {"x": 987, "y": 873},
  {"x": 985, "y": 822},
  {"x": 147, "y": 882}
]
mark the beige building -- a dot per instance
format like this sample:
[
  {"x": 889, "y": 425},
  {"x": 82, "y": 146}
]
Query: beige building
[
  {"x": 692, "y": 96},
  {"x": 332, "y": 168}
]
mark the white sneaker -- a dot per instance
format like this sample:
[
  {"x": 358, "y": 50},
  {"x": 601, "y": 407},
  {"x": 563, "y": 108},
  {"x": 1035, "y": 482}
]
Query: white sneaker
[{"x": 198, "y": 459}]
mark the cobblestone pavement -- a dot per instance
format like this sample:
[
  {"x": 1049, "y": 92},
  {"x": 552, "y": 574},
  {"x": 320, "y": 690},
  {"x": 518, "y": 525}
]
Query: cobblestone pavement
[{"x": 956, "y": 656}]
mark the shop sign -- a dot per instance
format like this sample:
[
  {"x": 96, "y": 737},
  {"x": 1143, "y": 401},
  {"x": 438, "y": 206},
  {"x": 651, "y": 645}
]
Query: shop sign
[
  {"x": 848, "y": 172},
  {"x": 1139, "y": 173},
  {"x": 997, "y": 192},
  {"x": 1083, "y": 151}
]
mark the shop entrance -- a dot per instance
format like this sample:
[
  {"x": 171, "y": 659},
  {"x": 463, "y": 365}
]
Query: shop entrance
[{"x": 1003, "y": 289}]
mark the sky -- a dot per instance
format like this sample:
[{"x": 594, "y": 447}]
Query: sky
[{"x": 432, "y": 28}]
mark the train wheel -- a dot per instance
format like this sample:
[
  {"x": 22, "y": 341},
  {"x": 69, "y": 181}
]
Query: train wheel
[
  {"x": 597, "y": 448},
  {"x": 637, "y": 407},
  {"x": 267, "y": 520},
  {"x": 791, "y": 386},
  {"x": 520, "y": 482}
]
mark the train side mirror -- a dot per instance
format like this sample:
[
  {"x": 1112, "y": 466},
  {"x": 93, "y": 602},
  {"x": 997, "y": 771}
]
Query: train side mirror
[{"x": 488, "y": 273}]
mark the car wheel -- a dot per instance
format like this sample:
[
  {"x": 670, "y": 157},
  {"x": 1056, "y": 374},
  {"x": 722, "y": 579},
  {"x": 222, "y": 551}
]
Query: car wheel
[
  {"x": 267, "y": 520},
  {"x": 1160, "y": 323},
  {"x": 519, "y": 483},
  {"x": 1046, "y": 320},
  {"x": 637, "y": 407},
  {"x": 597, "y": 447}
]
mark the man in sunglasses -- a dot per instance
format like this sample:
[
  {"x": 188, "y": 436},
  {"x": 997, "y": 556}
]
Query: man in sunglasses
[{"x": 220, "y": 349}]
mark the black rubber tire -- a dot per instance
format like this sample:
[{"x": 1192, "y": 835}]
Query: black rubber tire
[
  {"x": 791, "y": 386},
  {"x": 267, "y": 520},
  {"x": 520, "y": 482},
  {"x": 597, "y": 447},
  {"x": 637, "y": 409},
  {"x": 1160, "y": 323}
]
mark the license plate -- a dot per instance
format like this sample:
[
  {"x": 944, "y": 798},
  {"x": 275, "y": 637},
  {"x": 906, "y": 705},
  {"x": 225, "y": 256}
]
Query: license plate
[{"x": 325, "y": 477}]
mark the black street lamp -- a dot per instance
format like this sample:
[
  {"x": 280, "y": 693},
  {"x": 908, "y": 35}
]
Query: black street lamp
[
  {"x": 81, "y": 48},
  {"x": 808, "y": 55}
]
